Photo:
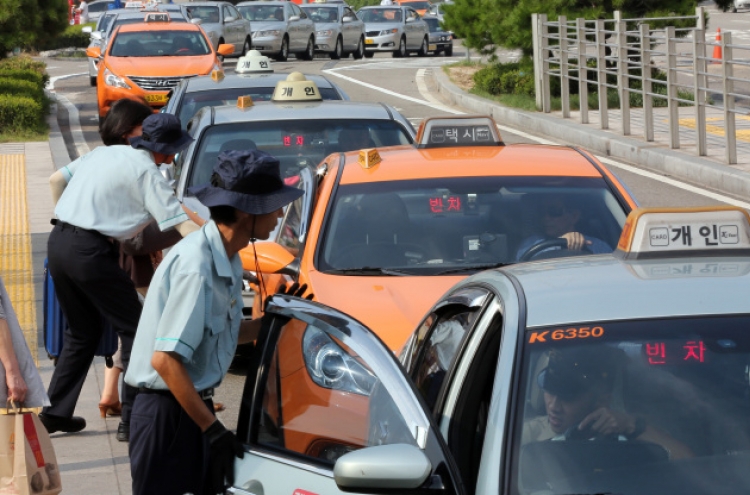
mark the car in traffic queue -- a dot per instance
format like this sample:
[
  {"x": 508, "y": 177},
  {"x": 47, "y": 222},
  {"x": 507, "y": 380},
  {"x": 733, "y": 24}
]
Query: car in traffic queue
[
  {"x": 441, "y": 41},
  {"x": 280, "y": 28},
  {"x": 253, "y": 76},
  {"x": 652, "y": 338},
  {"x": 147, "y": 60},
  {"x": 111, "y": 19},
  {"x": 338, "y": 31},
  {"x": 222, "y": 23},
  {"x": 381, "y": 233},
  {"x": 98, "y": 7},
  {"x": 421, "y": 6},
  {"x": 394, "y": 29}
]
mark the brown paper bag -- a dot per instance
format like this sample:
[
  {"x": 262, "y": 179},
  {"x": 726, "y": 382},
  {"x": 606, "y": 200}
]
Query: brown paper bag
[{"x": 28, "y": 465}]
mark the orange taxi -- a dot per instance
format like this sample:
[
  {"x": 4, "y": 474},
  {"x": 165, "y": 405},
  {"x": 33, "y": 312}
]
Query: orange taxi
[
  {"x": 381, "y": 233},
  {"x": 421, "y": 6},
  {"x": 146, "y": 60}
]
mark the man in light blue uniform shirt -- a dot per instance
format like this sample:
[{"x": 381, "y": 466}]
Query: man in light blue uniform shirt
[
  {"x": 115, "y": 192},
  {"x": 189, "y": 330}
]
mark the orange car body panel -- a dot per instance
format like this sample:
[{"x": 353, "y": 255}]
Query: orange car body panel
[
  {"x": 407, "y": 3},
  {"x": 165, "y": 66}
]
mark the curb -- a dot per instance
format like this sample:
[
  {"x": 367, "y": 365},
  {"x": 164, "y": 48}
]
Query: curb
[
  {"x": 60, "y": 155},
  {"x": 693, "y": 169}
]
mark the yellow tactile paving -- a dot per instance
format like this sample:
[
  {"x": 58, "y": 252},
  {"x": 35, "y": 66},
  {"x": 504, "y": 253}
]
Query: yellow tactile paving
[
  {"x": 15, "y": 243},
  {"x": 742, "y": 134}
]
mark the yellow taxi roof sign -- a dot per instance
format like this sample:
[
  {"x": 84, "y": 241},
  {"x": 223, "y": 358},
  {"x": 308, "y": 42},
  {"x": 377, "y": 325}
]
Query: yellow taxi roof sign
[
  {"x": 370, "y": 157},
  {"x": 245, "y": 102},
  {"x": 679, "y": 232},
  {"x": 296, "y": 87},
  {"x": 217, "y": 75},
  {"x": 253, "y": 62},
  {"x": 156, "y": 17},
  {"x": 465, "y": 130}
]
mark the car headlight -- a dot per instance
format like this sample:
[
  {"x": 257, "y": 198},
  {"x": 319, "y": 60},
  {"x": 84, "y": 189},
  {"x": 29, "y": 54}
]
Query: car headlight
[
  {"x": 111, "y": 79},
  {"x": 327, "y": 32},
  {"x": 264, "y": 34},
  {"x": 388, "y": 31},
  {"x": 332, "y": 367}
]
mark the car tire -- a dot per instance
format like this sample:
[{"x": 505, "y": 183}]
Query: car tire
[
  {"x": 360, "y": 51},
  {"x": 449, "y": 51},
  {"x": 401, "y": 51},
  {"x": 369, "y": 54},
  {"x": 423, "y": 50},
  {"x": 734, "y": 10},
  {"x": 309, "y": 52},
  {"x": 284, "y": 51},
  {"x": 92, "y": 81},
  {"x": 338, "y": 50},
  {"x": 246, "y": 47}
]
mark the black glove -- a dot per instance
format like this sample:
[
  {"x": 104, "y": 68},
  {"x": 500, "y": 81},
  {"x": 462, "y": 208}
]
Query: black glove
[
  {"x": 223, "y": 448},
  {"x": 295, "y": 290}
]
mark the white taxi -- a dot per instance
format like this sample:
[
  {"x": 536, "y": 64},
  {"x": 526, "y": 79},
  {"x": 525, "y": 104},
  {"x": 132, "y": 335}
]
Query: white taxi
[{"x": 623, "y": 373}]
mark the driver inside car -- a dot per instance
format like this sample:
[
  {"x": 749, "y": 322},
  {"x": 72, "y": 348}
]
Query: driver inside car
[
  {"x": 558, "y": 219},
  {"x": 578, "y": 385}
]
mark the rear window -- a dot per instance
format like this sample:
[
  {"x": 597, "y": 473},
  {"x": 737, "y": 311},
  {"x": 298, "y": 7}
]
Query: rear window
[{"x": 634, "y": 407}]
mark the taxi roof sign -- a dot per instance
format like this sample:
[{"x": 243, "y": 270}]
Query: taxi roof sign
[
  {"x": 217, "y": 75},
  {"x": 245, "y": 102},
  {"x": 253, "y": 63},
  {"x": 156, "y": 17},
  {"x": 370, "y": 157},
  {"x": 448, "y": 132},
  {"x": 675, "y": 232},
  {"x": 296, "y": 87}
]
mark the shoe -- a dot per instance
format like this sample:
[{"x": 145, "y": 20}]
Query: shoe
[
  {"x": 58, "y": 423},
  {"x": 114, "y": 409},
  {"x": 123, "y": 432},
  {"x": 219, "y": 406}
]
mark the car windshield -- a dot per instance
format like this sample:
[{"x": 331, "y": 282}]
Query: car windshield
[
  {"x": 322, "y": 14},
  {"x": 120, "y": 21},
  {"x": 296, "y": 143},
  {"x": 268, "y": 13},
  {"x": 380, "y": 15},
  {"x": 433, "y": 24},
  {"x": 159, "y": 44},
  {"x": 463, "y": 224},
  {"x": 634, "y": 407},
  {"x": 192, "y": 102},
  {"x": 205, "y": 13}
]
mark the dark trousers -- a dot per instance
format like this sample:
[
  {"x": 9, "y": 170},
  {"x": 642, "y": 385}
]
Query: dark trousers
[
  {"x": 168, "y": 452},
  {"x": 90, "y": 285}
]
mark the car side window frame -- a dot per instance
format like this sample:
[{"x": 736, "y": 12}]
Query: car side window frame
[{"x": 309, "y": 185}]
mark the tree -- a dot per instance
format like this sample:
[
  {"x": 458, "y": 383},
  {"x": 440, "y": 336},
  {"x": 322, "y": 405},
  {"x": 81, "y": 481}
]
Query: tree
[
  {"x": 23, "y": 23},
  {"x": 486, "y": 24}
]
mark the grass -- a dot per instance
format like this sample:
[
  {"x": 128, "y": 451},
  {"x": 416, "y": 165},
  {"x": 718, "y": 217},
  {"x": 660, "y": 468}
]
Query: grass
[{"x": 25, "y": 136}]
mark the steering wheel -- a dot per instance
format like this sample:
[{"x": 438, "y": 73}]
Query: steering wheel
[
  {"x": 537, "y": 248},
  {"x": 576, "y": 435}
]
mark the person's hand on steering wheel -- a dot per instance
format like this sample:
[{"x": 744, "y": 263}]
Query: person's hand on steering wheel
[
  {"x": 576, "y": 241},
  {"x": 605, "y": 422}
]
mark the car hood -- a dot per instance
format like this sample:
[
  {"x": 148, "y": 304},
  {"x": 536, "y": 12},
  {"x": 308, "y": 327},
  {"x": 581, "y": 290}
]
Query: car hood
[
  {"x": 379, "y": 26},
  {"x": 161, "y": 66},
  {"x": 390, "y": 306},
  {"x": 268, "y": 26}
]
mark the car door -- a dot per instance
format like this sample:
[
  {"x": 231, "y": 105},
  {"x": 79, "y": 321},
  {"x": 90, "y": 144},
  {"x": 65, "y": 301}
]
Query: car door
[
  {"x": 240, "y": 25},
  {"x": 306, "y": 26},
  {"x": 353, "y": 29},
  {"x": 293, "y": 27},
  {"x": 324, "y": 397},
  {"x": 412, "y": 28}
]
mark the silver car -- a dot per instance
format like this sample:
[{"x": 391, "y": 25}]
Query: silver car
[
  {"x": 338, "y": 31},
  {"x": 222, "y": 23},
  {"x": 107, "y": 23},
  {"x": 394, "y": 29},
  {"x": 441, "y": 41},
  {"x": 280, "y": 28},
  {"x": 99, "y": 7}
]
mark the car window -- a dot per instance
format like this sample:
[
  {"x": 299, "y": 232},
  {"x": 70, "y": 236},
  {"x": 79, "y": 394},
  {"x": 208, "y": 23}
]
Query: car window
[
  {"x": 225, "y": 12},
  {"x": 319, "y": 398},
  {"x": 380, "y": 15},
  {"x": 297, "y": 144},
  {"x": 99, "y": 6},
  {"x": 290, "y": 228},
  {"x": 296, "y": 10},
  {"x": 159, "y": 44},
  {"x": 455, "y": 224},
  {"x": 233, "y": 12},
  {"x": 349, "y": 13},
  {"x": 268, "y": 13},
  {"x": 673, "y": 392},
  {"x": 322, "y": 14},
  {"x": 433, "y": 24},
  {"x": 208, "y": 14}
]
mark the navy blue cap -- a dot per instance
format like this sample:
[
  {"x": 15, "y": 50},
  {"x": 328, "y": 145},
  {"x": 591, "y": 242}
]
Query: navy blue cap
[
  {"x": 574, "y": 371},
  {"x": 162, "y": 133},
  {"x": 249, "y": 180}
]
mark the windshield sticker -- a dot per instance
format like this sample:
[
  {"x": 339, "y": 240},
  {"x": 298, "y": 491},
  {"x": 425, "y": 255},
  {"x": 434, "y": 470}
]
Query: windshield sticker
[{"x": 565, "y": 334}]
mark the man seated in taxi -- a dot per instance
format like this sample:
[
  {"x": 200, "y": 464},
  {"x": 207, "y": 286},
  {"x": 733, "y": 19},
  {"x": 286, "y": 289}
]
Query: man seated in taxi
[
  {"x": 577, "y": 386},
  {"x": 559, "y": 217}
]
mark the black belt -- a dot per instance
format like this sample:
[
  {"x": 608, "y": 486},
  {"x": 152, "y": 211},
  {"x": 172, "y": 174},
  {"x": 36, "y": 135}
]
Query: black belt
[
  {"x": 74, "y": 228},
  {"x": 204, "y": 394}
]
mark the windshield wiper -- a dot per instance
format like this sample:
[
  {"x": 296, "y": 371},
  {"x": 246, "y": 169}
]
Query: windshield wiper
[
  {"x": 369, "y": 270},
  {"x": 469, "y": 268}
]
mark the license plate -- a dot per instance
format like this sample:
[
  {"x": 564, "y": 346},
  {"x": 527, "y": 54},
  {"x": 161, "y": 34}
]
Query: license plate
[
  {"x": 432, "y": 48},
  {"x": 157, "y": 98},
  {"x": 368, "y": 41}
]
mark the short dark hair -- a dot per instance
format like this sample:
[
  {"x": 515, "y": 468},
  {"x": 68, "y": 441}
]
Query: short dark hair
[
  {"x": 223, "y": 214},
  {"x": 122, "y": 117}
]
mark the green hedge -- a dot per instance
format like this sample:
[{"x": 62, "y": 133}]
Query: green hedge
[
  {"x": 19, "y": 87},
  {"x": 20, "y": 114},
  {"x": 23, "y": 62},
  {"x": 73, "y": 37},
  {"x": 511, "y": 78},
  {"x": 24, "y": 75}
]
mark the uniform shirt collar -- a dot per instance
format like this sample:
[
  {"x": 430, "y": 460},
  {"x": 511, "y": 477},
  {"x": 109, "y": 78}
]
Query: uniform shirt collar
[{"x": 221, "y": 260}]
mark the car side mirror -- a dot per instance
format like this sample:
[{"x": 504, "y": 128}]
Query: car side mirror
[
  {"x": 294, "y": 18},
  {"x": 382, "y": 468},
  {"x": 225, "y": 49},
  {"x": 94, "y": 52},
  {"x": 87, "y": 29},
  {"x": 196, "y": 21},
  {"x": 410, "y": 19},
  {"x": 96, "y": 35},
  {"x": 272, "y": 258},
  {"x": 230, "y": 19},
  {"x": 347, "y": 18}
]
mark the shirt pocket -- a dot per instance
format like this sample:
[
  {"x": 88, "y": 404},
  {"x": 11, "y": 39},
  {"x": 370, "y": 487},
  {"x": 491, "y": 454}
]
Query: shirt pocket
[{"x": 224, "y": 330}]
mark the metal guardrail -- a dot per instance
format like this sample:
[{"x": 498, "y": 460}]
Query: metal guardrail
[{"x": 563, "y": 49}]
